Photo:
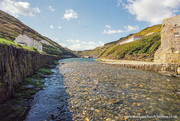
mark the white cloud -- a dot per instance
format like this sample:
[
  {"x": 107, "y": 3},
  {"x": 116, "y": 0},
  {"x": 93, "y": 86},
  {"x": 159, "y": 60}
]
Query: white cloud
[
  {"x": 62, "y": 44},
  {"x": 112, "y": 31},
  {"x": 81, "y": 45},
  {"x": 75, "y": 47},
  {"x": 17, "y": 8},
  {"x": 56, "y": 39},
  {"x": 108, "y": 26},
  {"x": 152, "y": 11},
  {"x": 74, "y": 41},
  {"x": 127, "y": 28},
  {"x": 51, "y": 27},
  {"x": 51, "y": 8},
  {"x": 119, "y": 2},
  {"x": 70, "y": 14},
  {"x": 59, "y": 27}
]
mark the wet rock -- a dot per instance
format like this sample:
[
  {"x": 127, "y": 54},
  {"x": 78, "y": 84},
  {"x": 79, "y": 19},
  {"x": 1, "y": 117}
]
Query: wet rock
[
  {"x": 87, "y": 119},
  {"x": 178, "y": 70},
  {"x": 177, "y": 94},
  {"x": 44, "y": 76},
  {"x": 53, "y": 116},
  {"x": 29, "y": 86},
  {"x": 61, "y": 63},
  {"x": 37, "y": 88},
  {"x": 118, "y": 102}
]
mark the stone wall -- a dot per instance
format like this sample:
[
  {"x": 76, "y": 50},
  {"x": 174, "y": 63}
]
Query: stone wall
[
  {"x": 15, "y": 65},
  {"x": 169, "y": 69},
  {"x": 169, "y": 51}
]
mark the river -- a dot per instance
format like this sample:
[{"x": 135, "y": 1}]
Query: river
[{"x": 82, "y": 89}]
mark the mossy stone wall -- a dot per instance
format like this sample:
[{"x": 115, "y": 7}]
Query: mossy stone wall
[{"x": 15, "y": 65}]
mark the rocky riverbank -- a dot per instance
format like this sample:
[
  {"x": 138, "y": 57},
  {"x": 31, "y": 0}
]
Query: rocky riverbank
[
  {"x": 109, "y": 92},
  {"x": 16, "y": 108}
]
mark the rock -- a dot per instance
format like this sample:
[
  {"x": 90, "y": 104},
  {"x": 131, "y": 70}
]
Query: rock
[
  {"x": 87, "y": 119},
  {"x": 178, "y": 70},
  {"x": 37, "y": 88},
  {"x": 29, "y": 86},
  {"x": 44, "y": 76},
  {"x": 119, "y": 102},
  {"x": 97, "y": 110},
  {"x": 53, "y": 116},
  {"x": 178, "y": 94}
]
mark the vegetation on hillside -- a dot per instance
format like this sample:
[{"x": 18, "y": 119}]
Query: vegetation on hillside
[
  {"x": 52, "y": 50},
  {"x": 142, "y": 49},
  {"x": 148, "y": 30}
]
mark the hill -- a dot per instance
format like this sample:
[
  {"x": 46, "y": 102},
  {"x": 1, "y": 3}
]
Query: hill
[
  {"x": 10, "y": 28},
  {"x": 141, "y": 49}
]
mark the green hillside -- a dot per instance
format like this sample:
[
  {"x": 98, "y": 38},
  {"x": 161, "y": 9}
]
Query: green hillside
[
  {"x": 10, "y": 28},
  {"x": 142, "y": 49}
]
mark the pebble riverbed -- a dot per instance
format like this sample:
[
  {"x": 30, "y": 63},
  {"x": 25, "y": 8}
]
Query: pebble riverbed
[{"x": 112, "y": 93}]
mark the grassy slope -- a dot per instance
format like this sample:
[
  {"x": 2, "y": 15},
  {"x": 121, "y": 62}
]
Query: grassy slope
[
  {"x": 145, "y": 47},
  {"x": 10, "y": 28},
  {"x": 142, "y": 49}
]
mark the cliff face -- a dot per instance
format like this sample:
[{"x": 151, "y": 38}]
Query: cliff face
[
  {"x": 169, "y": 51},
  {"x": 15, "y": 65}
]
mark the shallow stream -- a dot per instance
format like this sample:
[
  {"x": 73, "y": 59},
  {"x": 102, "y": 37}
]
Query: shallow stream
[{"x": 82, "y": 89}]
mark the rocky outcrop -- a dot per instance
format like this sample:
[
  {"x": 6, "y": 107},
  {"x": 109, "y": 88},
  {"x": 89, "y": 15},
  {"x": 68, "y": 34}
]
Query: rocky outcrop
[
  {"x": 169, "y": 51},
  {"x": 15, "y": 65}
]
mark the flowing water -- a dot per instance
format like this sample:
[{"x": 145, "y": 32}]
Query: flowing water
[
  {"x": 51, "y": 102},
  {"x": 82, "y": 89}
]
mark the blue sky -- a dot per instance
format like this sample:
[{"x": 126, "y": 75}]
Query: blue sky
[{"x": 86, "y": 24}]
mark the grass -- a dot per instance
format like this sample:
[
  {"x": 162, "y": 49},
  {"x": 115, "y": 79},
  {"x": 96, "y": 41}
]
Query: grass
[
  {"x": 55, "y": 62},
  {"x": 35, "y": 80},
  {"x": 12, "y": 43},
  {"x": 52, "y": 50},
  {"x": 155, "y": 29},
  {"x": 44, "y": 71},
  {"x": 146, "y": 45},
  {"x": 24, "y": 92}
]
